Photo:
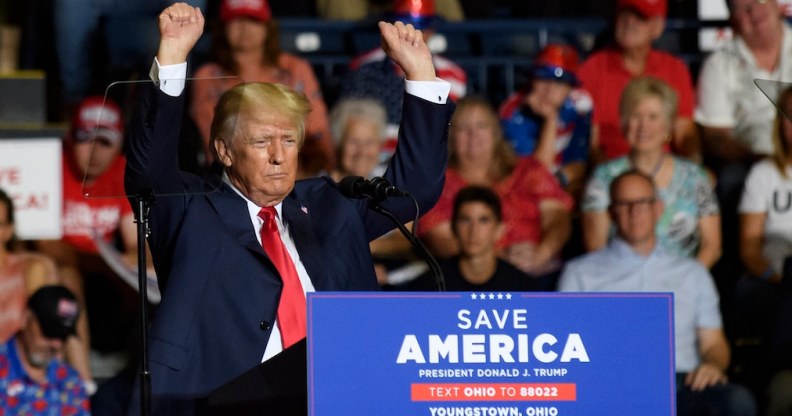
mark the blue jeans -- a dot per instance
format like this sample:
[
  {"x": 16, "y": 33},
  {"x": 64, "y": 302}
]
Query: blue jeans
[
  {"x": 77, "y": 37},
  {"x": 718, "y": 400}
]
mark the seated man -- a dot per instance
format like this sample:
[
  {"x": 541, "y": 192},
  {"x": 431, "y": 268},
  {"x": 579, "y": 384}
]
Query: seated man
[
  {"x": 33, "y": 379},
  {"x": 477, "y": 223},
  {"x": 633, "y": 262}
]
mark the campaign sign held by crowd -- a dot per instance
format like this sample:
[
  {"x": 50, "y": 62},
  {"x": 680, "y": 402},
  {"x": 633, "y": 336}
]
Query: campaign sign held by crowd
[{"x": 526, "y": 354}]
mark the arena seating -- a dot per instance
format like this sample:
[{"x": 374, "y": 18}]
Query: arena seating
[{"x": 495, "y": 53}]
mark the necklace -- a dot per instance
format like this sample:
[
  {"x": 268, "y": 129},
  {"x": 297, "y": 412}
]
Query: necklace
[{"x": 656, "y": 168}]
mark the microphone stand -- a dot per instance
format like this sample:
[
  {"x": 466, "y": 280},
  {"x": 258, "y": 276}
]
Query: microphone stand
[
  {"x": 143, "y": 203},
  {"x": 416, "y": 243}
]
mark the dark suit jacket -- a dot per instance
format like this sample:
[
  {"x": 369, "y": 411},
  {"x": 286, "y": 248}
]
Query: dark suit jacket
[{"x": 220, "y": 291}]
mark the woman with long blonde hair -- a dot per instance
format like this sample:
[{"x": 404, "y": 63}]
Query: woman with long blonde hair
[{"x": 536, "y": 210}]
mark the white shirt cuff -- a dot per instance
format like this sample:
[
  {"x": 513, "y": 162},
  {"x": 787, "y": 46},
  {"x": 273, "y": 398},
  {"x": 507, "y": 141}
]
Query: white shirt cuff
[
  {"x": 171, "y": 78},
  {"x": 434, "y": 91}
]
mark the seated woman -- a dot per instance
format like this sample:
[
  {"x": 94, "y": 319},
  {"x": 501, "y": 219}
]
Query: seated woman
[
  {"x": 358, "y": 128},
  {"x": 21, "y": 274},
  {"x": 690, "y": 224},
  {"x": 765, "y": 214},
  {"x": 246, "y": 48},
  {"x": 536, "y": 210},
  {"x": 765, "y": 243}
]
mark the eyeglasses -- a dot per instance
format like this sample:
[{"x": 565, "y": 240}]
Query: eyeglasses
[{"x": 627, "y": 206}]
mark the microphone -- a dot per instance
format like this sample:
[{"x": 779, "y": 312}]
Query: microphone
[{"x": 378, "y": 188}]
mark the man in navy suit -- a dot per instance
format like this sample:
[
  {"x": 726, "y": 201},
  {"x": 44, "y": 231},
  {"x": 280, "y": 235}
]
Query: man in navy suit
[{"x": 221, "y": 291}]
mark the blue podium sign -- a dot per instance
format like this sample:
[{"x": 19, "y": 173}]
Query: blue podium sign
[{"x": 481, "y": 354}]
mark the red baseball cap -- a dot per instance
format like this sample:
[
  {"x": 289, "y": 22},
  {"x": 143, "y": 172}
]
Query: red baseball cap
[
  {"x": 254, "y": 9},
  {"x": 646, "y": 8},
  {"x": 97, "y": 117}
]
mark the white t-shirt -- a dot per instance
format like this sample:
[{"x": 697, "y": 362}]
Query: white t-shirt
[
  {"x": 728, "y": 97},
  {"x": 766, "y": 191}
]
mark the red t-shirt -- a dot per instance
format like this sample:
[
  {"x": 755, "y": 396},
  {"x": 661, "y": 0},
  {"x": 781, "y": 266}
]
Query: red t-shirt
[
  {"x": 100, "y": 213},
  {"x": 521, "y": 192},
  {"x": 603, "y": 75}
]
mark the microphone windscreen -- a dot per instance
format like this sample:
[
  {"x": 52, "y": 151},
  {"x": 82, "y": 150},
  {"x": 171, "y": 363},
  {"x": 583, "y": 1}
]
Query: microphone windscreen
[{"x": 350, "y": 185}]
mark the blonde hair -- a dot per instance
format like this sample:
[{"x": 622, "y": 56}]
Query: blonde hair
[
  {"x": 644, "y": 87},
  {"x": 261, "y": 96},
  {"x": 503, "y": 159},
  {"x": 781, "y": 149}
]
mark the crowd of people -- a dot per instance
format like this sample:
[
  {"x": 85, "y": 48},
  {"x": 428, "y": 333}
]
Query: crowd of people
[{"x": 615, "y": 171}]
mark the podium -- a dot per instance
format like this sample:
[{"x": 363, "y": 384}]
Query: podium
[
  {"x": 542, "y": 353},
  {"x": 275, "y": 387},
  {"x": 509, "y": 353}
]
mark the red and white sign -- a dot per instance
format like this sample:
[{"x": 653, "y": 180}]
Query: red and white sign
[{"x": 30, "y": 172}]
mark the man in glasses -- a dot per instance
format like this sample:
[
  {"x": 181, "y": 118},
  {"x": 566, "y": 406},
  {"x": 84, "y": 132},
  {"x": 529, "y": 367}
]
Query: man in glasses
[{"x": 634, "y": 262}]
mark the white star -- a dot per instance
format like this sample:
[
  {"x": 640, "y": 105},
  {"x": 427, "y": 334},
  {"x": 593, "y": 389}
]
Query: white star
[
  {"x": 482, "y": 296},
  {"x": 500, "y": 296},
  {"x": 473, "y": 296},
  {"x": 492, "y": 296},
  {"x": 508, "y": 296}
]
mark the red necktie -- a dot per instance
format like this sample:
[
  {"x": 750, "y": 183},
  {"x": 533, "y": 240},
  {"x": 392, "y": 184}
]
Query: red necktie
[{"x": 291, "y": 308}]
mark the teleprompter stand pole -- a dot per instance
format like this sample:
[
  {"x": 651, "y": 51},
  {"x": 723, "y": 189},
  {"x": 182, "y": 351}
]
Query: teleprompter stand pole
[{"x": 143, "y": 203}]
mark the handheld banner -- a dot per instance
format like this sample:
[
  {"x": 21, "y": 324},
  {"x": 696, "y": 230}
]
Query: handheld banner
[{"x": 477, "y": 354}]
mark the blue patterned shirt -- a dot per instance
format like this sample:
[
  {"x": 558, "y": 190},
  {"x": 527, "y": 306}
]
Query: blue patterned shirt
[
  {"x": 63, "y": 394},
  {"x": 522, "y": 128}
]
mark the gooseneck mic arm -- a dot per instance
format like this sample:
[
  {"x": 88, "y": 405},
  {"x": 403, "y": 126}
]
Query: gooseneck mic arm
[{"x": 377, "y": 190}]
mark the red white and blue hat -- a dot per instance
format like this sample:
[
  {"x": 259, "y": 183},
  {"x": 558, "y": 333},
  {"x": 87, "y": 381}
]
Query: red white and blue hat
[
  {"x": 419, "y": 13},
  {"x": 558, "y": 62}
]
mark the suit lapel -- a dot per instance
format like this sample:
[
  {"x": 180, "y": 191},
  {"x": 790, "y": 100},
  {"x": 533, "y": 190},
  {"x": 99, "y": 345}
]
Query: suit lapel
[
  {"x": 233, "y": 211},
  {"x": 299, "y": 221}
]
